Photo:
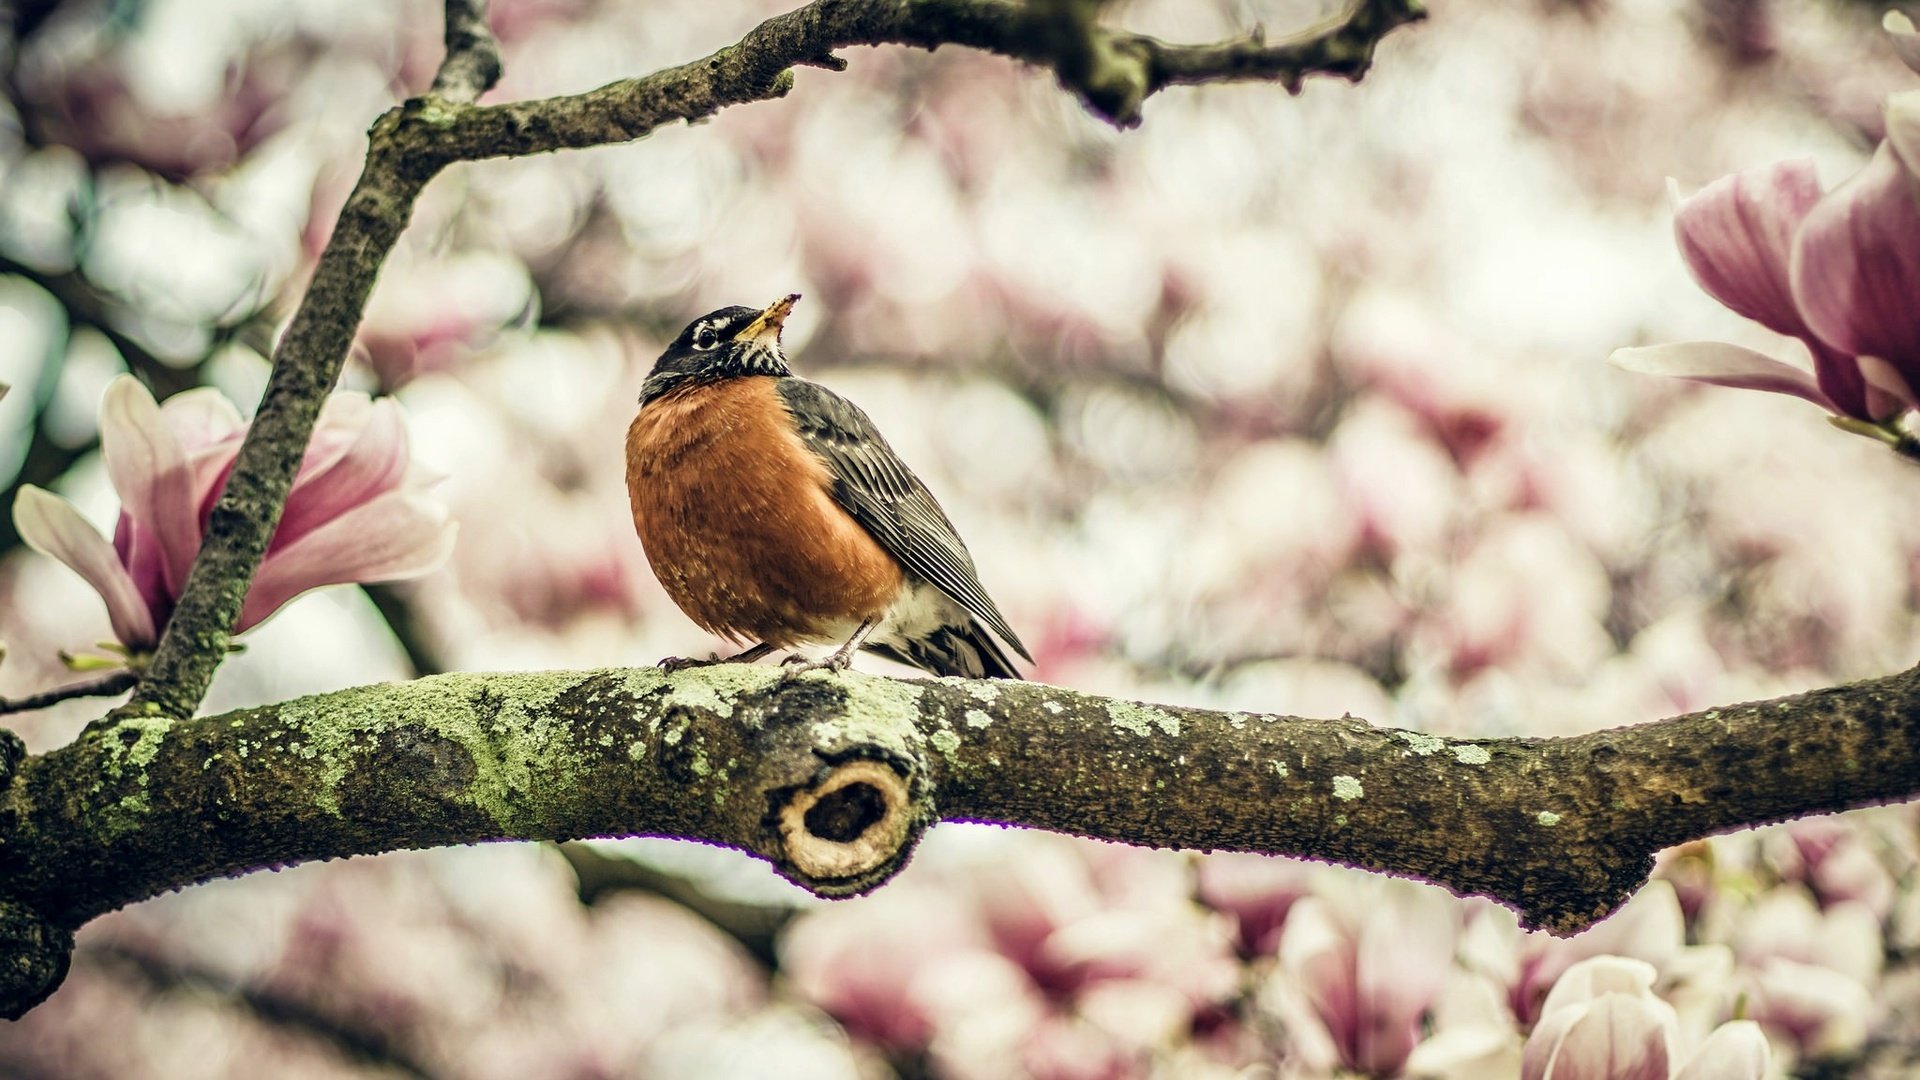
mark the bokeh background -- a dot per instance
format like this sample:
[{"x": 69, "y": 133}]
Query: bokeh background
[{"x": 1289, "y": 403}]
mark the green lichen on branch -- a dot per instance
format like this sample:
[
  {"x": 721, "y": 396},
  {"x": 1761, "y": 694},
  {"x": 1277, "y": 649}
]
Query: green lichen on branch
[{"x": 709, "y": 754}]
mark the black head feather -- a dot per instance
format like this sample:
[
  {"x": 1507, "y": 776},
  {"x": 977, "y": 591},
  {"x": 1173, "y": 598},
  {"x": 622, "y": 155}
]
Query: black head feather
[{"x": 730, "y": 343}]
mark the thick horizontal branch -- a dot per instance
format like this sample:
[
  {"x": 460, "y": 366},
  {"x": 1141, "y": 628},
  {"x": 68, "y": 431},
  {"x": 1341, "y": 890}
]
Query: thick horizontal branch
[{"x": 832, "y": 778}]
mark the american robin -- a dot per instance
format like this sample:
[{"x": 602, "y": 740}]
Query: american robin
[{"x": 773, "y": 511}]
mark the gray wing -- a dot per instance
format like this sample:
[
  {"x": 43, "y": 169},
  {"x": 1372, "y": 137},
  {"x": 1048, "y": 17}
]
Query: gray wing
[{"x": 875, "y": 486}]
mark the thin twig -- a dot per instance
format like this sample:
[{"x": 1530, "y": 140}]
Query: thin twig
[
  {"x": 397, "y": 608},
  {"x": 271, "y": 1007},
  {"x": 117, "y": 683},
  {"x": 756, "y": 927},
  {"x": 472, "y": 66}
]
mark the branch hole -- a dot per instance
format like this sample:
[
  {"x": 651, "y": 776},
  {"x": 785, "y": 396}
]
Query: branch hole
[
  {"x": 852, "y": 821},
  {"x": 842, "y": 815}
]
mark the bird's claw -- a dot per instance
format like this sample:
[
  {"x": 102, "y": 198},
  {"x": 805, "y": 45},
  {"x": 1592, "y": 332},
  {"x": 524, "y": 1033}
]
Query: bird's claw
[
  {"x": 671, "y": 664},
  {"x": 797, "y": 665}
]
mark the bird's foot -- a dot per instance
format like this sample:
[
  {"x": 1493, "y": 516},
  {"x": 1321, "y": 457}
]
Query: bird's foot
[
  {"x": 797, "y": 665},
  {"x": 672, "y": 664}
]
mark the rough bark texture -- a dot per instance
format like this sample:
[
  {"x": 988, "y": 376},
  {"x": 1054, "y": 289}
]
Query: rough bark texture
[
  {"x": 832, "y": 778},
  {"x": 306, "y": 365}
]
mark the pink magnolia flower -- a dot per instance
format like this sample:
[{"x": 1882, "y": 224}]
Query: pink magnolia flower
[
  {"x": 1603, "y": 1022},
  {"x": 1813, "y": 974},
  {"x": 1840, "y": 271},
  {"x": 1906, "y": 41},
  {"x": 1649, "y": 928},
  {"x": 1372, "y": 971},
  {"x": 1257, "y": 891},
  {"x": 436, "y": 315},
  {"x": 1835, "y": 858},
  {"x": 358, "y": 510}
]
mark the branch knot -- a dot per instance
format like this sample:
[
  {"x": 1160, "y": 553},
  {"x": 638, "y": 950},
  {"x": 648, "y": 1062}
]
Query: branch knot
[{"x": 854, "y": 820}]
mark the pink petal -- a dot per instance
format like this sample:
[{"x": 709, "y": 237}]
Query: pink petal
[
  {"x": 1903, "y": 128},
  {"x": 1737, "y": 1050},
  {"x": 1317, "y": 952},
  {"x": 139, "y": 551},
  {"x": 1597, "y": 976},
  {"x": 202, "y": 417},
  {"x": 1906, "y": 42},
  {"x": 210, "y": 429},
  {"x": 1736, "y": 235},
  {"x": 375, "y": 462},
  {"x": 343, "y": 417},
  {"x": 1887, "y": 387},
  {"x": 210, "y": 479},
  {"x": 50, "y": 525},
  {"x": 1536, "y": 1057},
  {"x": 1257, "y": 891},
  {"x": 1856, "y": 265},
  {"x": 398, "y": 535},
  {"x": 1721, "y": 365},
  {"x": 149, "y": 470},
  {"x": 1403, "y": 955},
  {"x": 1616, "y": 1038}
]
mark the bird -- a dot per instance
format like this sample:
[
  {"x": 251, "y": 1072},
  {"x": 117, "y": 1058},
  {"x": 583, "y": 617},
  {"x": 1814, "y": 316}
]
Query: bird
[{"x": 774, "y": 512}]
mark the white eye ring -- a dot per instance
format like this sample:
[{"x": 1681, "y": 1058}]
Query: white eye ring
[{"x": 704, "y": 338}]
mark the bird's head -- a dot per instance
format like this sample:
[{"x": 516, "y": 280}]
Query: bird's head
[{"x": 730, "y": 343}]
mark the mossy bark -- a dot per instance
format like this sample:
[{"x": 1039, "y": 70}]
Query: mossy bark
[{"x": 832, "y": 778}]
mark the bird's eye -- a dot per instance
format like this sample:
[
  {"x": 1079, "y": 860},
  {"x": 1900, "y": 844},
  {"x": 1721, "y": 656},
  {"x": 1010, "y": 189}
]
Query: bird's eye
[{"x": 705, "y": 338}]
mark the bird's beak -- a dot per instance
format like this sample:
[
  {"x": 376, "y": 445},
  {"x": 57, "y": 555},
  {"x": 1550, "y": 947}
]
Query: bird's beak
[{"x": 765, "y": 329}]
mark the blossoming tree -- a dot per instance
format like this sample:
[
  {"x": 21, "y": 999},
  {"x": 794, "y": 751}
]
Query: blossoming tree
[{"x": 1055, "y": 957}]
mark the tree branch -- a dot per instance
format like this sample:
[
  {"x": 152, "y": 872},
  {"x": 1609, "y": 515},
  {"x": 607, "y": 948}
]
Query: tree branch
[
  {"x": 412, "y": 143},
  {"x": 1112, "y": 71},
  {"x": 832, "y": 779},
  {"x": 472, "y": 65},
  {"x": 755, "y": 927},
  {"x": 164, "y": 974},
  {"x": 107, "y": 686}
]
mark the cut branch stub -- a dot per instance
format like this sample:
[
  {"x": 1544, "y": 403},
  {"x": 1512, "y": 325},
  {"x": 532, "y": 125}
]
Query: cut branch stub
[
  {"x": 846, "y": 802},
  {"x": 845, "y": 833}
]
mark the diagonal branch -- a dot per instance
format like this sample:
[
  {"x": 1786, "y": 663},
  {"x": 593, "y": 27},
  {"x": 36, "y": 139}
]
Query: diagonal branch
[
  {"x": 832, "y": 778},
  {"x": 412, "y": 143},
  {"x": 472, "y": 65}
]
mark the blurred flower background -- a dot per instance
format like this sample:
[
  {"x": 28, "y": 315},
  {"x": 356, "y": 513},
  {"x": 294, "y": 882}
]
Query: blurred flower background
[{"x": 1297, "y": 404}]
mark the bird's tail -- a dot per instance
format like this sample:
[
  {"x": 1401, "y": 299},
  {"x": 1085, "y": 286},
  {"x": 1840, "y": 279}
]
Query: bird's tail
[{"x": 967, "y": 651}]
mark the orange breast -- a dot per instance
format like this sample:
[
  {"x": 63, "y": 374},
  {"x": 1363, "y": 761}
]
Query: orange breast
[{"x": 737, "y": 520}]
